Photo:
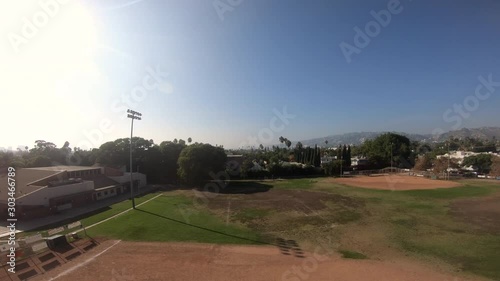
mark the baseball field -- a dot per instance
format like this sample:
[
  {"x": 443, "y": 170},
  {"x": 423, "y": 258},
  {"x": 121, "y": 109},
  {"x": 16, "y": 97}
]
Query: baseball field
[{"x": 361, "y": 228}]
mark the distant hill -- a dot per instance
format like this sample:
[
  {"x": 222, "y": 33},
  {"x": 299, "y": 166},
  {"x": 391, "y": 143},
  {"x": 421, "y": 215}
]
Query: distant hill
[{"x": 483, "y": 133}]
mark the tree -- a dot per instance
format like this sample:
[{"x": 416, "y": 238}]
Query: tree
[
  {"x": 423, "y": 163},
  {"x": 40, "y": 161},
  {"x": 441, "y": 165},
  {"x": 151, "y": 164},
  {"x": 379, "y": 151},
  {"x": 245, "y": 167},
  {"x": 344, "y": 155},
  {"x": 190, "y": 140},
  {"x": 18, "y": 162},
  {"x": 198, "y": 160},
  {"x": 83, "y": 157},
  {"x": 332, "y": 168},
  {"x": 317, "y": 162},
  {"x": 285, "y": 141},
  {"x": 495, "y": 166},
  {"x": 299, "y": 145},
  {"x": 481, "y": 162},
  {"x": 55, "y": 156},
  {"x": 117, "y": 153},
  {"x": 6, "y": 158},
  {"x": 339, "y": 152},
  {"x": 114, "y": 153},
  {"x": 422, "y": 149},
  {"x": 348, "y": 154},
  {"x": 170, "y": 152}
]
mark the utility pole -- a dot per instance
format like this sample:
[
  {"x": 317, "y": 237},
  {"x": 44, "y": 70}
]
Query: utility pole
[
  {"x": 132, "y": 115},
  {"x": 391, "y": 157}
]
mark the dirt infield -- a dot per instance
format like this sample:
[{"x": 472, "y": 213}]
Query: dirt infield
[
  {"x": 394, "y": 182},
  {"x": 140, "y": 261}
]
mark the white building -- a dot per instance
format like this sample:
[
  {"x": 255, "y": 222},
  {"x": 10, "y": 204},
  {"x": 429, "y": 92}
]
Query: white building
[{"x": 460, "y": 155}]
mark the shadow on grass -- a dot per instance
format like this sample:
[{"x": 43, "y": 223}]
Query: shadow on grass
[
  {"x": 245, "y": 187},
  {"x": 224, "y": 187},
  {"x": 207, "y": 229}
]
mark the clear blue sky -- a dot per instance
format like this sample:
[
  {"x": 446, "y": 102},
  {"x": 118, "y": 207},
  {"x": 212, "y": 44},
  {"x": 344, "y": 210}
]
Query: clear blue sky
[{"x": 225, "y": 77}]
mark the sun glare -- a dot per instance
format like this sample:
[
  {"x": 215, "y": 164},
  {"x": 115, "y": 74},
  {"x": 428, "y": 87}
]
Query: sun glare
[{"x": 49, "y": 57}]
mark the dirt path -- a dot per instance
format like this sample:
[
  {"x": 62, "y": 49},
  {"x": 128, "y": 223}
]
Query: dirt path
[
  {"x": 138, "y": 261},
  {"x": 394, "y": 182}
]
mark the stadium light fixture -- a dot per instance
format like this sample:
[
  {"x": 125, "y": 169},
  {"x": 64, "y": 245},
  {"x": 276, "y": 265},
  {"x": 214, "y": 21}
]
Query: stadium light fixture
[{"x": 132, "y": 115}]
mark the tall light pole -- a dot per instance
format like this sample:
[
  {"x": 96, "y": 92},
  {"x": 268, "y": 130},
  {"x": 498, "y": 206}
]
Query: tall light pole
[
  {"x": 448, "y": 170},
  {"x": 132, "y": 115}
]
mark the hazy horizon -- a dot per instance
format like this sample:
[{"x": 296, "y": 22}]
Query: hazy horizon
[{"x": 230, "y": 74}]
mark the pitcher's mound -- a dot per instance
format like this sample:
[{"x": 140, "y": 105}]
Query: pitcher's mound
[{"x": 394, "y": 182}]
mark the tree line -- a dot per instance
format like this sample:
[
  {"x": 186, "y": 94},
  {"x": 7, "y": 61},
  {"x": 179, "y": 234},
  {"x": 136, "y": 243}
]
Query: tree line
[{"x": 169, "y": 161}]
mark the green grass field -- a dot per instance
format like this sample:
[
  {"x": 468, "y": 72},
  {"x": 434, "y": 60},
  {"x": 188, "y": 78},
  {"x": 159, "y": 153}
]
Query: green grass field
[
  {"x": 419, "y": 223},
  {"x": 163, "y": 219},
  {"x": 416, "y": 223},
  {"x": 99, "y": 215}
]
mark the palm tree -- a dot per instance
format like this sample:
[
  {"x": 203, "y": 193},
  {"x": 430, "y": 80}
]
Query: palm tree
[{"x": 299, "y": 145}]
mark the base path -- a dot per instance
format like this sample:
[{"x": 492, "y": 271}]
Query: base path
[
  {"x": 141, "y": 261},
  {"x": 394, "y": 182}
]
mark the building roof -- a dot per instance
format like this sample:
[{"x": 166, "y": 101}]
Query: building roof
[
  {"x": 64, "y": 168},
  {"x": 23, "y": 178},
  {"x": 29, "y": 180},
  {"x": 100, "y": 181}
]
